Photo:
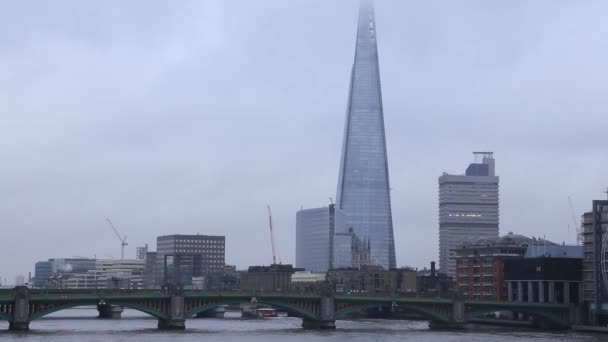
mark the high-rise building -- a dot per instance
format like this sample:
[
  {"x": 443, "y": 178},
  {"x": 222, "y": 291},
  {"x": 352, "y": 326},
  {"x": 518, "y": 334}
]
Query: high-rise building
[
  {"x": 149, "y": 276},
  {"x": 315, "y": 232},
  {"x": 468, "y": 209},
  {"x": 363, "y": 182},
  {"x": 595, "y": 257},
  {"x": 179, "y": 258}
]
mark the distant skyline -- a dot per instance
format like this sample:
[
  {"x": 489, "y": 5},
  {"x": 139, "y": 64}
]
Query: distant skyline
[{"x": 192, "y": 117}]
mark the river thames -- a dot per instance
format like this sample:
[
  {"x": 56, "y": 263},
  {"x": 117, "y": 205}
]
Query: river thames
[{"x": 82, "y": 325}]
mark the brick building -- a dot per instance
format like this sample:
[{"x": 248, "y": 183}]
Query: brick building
[{"x": 480, "y": 264}]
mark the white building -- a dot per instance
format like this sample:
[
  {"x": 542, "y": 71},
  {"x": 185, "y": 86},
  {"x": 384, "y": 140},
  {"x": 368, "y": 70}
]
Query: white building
[
  {"x": 108, "y": 273},
  {"x": 468, "y": 209}
]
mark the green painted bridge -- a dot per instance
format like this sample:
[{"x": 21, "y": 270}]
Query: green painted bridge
[{"x": 21, "y": 305}]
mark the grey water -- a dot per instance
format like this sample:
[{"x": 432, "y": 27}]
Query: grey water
[{"x": 81, "y": 324}]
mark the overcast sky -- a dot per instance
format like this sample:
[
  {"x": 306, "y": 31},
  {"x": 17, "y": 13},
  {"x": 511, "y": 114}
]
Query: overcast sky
[{"x": 191, "y": 116}]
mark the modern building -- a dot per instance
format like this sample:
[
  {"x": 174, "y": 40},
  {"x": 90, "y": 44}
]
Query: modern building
[
  {"x": 315, "y": 232},
  {"x": 45, "y": 269},
  {"x": 181, "y": 257},
  {"x": 363, "y": 182},
  {"x": 547, "y": 278},
  {"x": 275, "y": 277},
  {"x": 468, "y": 209},
  {"x": 108, "y": 273},
  {"x": 595, "y": 251},
  {"x": 480, "y": 264},
  {"x": 373, "y": 279},
  {"x": 140, "y": 252},
  {"x": 149, "y": 276}
]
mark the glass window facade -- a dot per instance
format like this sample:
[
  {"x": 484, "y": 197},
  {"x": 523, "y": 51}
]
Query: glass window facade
[
  {"x": 315, "y": 237},
  {"x": 363, "y": 185}
]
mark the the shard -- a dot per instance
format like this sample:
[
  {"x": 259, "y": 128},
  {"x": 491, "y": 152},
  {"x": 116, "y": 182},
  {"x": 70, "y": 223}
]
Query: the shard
[{"x": 363, "y": 184}]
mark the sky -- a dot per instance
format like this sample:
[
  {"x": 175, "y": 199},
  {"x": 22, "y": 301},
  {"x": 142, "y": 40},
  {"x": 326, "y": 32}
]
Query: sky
[{"x": 191, "y": 116}]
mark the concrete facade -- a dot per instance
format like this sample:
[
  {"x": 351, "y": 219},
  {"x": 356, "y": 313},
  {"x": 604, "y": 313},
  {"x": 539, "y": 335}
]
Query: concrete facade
[
  {"x": 468, "y": 209},
  {"x": 181, "y": 257}
]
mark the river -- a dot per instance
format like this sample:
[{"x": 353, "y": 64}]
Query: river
[{"x": 81, "y": 324}]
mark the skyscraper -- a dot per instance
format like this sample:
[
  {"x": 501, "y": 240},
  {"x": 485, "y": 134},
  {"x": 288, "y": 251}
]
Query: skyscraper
[
  {"x": 316, "y": 230},
  {"x": 363, "y": 184},
  {"x": 468, "y": 209}
]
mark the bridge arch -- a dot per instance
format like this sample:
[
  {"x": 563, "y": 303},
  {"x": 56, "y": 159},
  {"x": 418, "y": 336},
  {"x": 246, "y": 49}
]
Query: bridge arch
[
  {"x": 63, "y": 306},
  {"x": 425, "y": 312},
  {"x": 289, "y": 308},
  {"x": 537, "y": 313}
]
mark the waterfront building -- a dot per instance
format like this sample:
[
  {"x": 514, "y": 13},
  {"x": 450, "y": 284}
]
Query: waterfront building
[
  {"x": 373, "y": 279},
  {"x": 595, "y": 253},
  {"x": 307, "y": 281},
  {"x": 181, "y": 257},
  {"x": 315, "y": 234},
  {"x": 468, "y": 209},
  {"x": 480, "y": 264},
  {"x": 545, "y": 277},
  {"x": 107, "y": 274},
  {"x": 43, "y": 270},
  {"x": 149, "y": 276},
  {"x": 363, "y": 182},
  {"x": 275, "y": 277},
  {"x": 431, "y": 283}
]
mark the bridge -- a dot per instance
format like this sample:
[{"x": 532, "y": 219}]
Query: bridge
[{"x": 172, "y": 307}]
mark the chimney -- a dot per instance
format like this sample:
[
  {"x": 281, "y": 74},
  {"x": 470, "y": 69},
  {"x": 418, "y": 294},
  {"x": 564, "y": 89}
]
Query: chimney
[{"x": 432, "y": 268}]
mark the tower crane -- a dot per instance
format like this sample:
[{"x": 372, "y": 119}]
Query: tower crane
[
  {"x": 577, "y": 226},
  {"x": 123, "y": 240},
  {"x": 274, "y": 250}
]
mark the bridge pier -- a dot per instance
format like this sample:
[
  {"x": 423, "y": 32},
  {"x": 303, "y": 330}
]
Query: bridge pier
[
  {"x": 108, "y": 311},
  {"x": 176, "y": 320},
  {"x": 20, "y": 318},
  {"x": 327, "y": 314},
  {"x": 457, "y": 319}
]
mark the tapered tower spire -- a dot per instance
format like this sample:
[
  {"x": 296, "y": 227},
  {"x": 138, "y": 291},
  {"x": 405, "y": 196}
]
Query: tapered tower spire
[{"x": 363, "y": 184}]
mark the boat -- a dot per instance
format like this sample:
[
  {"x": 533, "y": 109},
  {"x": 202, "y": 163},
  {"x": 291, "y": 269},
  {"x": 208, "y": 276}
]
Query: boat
[
  {"x": 258, "y": 312},
  {"x": 267, "y": 312}
]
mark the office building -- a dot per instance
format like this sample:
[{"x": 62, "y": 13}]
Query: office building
[
  {"x": 181, "y": 257},
  {"x": 373, "y": 279},
  {"x": 149, "y": 276},
  {"x": 480, "y": 264},
  {"x": 363, "y": 182},
  {"x": 107, "y": 274},
  {"x": 315, "y": 233},
  {"x": 553, "y": 277},
  {"x": 275, "y": 277},
  {"x": 468, "y": 208},
  {"x": 595, "y": 255},
  {"x": 140, "y": 252},
  {"x": 45, "y": 269}
]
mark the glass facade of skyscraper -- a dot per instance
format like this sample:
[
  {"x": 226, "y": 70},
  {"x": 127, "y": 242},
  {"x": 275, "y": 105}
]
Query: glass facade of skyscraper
[{"x": 363, "y": 185}]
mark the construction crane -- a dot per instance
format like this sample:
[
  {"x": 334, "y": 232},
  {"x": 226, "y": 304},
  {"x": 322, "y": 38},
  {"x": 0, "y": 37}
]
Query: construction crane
[
  {"x": 274, "y": 250},
  {"x": 123, "y": 240},
  {"x": 577, "y": 226}
]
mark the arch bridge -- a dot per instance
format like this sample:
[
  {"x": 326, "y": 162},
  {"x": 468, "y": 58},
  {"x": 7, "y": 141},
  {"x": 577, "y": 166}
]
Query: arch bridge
[{"x": 172, "y": 307}]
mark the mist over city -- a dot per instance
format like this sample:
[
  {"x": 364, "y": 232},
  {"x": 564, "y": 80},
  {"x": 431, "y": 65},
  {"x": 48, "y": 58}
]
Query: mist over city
[{"x": 125, "y": 122}]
